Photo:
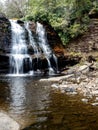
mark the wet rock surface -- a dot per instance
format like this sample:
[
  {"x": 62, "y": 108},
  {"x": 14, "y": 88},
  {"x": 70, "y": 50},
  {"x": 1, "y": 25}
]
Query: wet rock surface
[{"x": 5, "y": 34}]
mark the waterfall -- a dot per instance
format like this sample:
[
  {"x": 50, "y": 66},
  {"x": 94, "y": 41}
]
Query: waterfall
[
  {"x": 20, "y": 60},
  {"x": 19, "y": 49},
  {"x": 43, "y": 43},
  {"x": 32, "y": 41}
]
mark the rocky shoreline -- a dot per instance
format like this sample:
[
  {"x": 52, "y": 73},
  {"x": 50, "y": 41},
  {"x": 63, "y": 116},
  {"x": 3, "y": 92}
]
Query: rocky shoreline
[{"x": 79, "y": 79}]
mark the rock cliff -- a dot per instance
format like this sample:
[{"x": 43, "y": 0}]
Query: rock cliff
[
  {"x": 38, "y": 62},
  {"x": 5, "y": 42},
  {"x": 5, "y": 34}
]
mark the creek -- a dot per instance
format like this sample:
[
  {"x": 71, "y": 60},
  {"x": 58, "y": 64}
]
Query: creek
[{"x": 36, "y": 106}]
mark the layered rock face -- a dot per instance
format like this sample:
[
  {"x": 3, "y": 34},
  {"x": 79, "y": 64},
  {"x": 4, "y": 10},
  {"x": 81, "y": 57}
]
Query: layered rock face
[
  {"x": 5, "y": 34},
  {"x": 5, "y": 42}
]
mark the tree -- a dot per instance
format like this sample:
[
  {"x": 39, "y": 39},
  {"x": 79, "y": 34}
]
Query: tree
[
  {"x": 68, "y": 17},
  {"x": 1, "y": 7},
  {"x": 15, "y": 8}
]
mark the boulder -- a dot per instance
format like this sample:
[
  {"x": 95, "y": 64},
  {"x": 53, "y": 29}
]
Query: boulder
[
  {"x": 7, "y": 123},
  {"x": 20, "y": 22},
  {"x": 32, "y": 26}
]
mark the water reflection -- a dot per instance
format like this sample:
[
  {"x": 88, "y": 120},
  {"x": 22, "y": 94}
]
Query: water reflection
[
  {"x": 28, "y": 99},
  {"x": 33, "y": 103},
  {"x": 17, "y": 94}
]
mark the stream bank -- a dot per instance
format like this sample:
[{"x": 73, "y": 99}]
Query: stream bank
[{"x": 79, "y": 79}]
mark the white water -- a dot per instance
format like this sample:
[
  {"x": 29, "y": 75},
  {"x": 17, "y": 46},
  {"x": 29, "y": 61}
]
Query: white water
[
  {"x": 19, "y": 56},
  {"x": 43, "y": 43},
  {"x": 32, "y": 41},
  {"x": 19, "y": 49}
]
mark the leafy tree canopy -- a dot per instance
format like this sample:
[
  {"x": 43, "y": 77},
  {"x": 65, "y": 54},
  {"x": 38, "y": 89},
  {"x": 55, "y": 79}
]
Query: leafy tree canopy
[{"x": 68, "y": 17}]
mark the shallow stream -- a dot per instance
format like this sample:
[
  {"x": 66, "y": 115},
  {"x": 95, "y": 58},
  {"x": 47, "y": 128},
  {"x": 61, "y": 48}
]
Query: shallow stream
[{"x": 36, "y": 106}]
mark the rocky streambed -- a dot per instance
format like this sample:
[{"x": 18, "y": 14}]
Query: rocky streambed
[{"x": 79, "y": 79}]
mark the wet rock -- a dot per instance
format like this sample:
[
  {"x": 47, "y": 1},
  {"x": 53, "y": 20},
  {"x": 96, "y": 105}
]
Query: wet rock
[
  {"x": 7, "y": 123},
  {"x": 94, "y": 92},
  {"x": 96, "y": 99},
  {"x": 4, "y": 64},
  {"x": 5, "y": 34},
  {"x": 20, "y": 22},
  {"x": 84, "y": 69},
  {"x": 54, "y": 86},
  {"x": 67, "y": 61},
  {"x": 95, "y": 104},
  {"x": 84, "y": 100},
  {"x": 32, "y": 26},
  {"x": 82, "y": 83}
]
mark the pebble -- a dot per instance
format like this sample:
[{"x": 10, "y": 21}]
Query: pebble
[
  {"x": 54, "y": 86},
  {"x": 84, "y": 100},
  {"x": 95, "y": 104},
  {"x": 96, "y": 99}
]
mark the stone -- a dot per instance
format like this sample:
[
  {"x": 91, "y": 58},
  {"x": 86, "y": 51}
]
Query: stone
[
  {"x": 84, "y": 100},
  {"x": 94, "y": 92},
  {"x": 95, "y": 104},
  {"x": 32, "y": 26},
  {"x": 20, "y": 22},
  {"x": 83, "y": 68},
  {"x": 54, "y": 86},
  {"x": 7, "y": 123},
  {"x": 96, "y": 99}
]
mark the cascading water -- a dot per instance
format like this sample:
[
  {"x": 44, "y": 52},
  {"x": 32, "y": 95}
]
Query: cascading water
[
  {"x": 31, "y": 40},
  {"x": 43, "y": 43},
  {"x": 19, "y": 57},
  {"x": 19, "y": 49}
]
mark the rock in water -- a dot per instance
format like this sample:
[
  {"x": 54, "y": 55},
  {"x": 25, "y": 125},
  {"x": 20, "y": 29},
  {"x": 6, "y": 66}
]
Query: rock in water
[{"x": 7, "y": 123}]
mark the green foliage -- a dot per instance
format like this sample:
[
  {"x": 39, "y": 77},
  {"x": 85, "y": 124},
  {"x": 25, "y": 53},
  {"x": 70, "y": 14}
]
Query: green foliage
[
  {"x": 28, "y": 17},
  {"x": 95, "y": 8},
  {"x": 74, "y": 30},
  {"x": 14, "y": 8},
  {"x": 68, "y": 17}
]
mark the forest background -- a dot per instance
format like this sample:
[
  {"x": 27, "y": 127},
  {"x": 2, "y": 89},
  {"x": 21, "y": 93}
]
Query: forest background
[{"x": 69, "y": 18}]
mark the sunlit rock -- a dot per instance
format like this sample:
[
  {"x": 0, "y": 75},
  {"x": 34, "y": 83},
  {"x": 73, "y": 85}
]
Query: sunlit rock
[{"x": 7, "y": 123}]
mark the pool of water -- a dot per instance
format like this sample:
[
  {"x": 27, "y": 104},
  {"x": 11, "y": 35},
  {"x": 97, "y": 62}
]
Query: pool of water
[{"x": 36, "y": 106}]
